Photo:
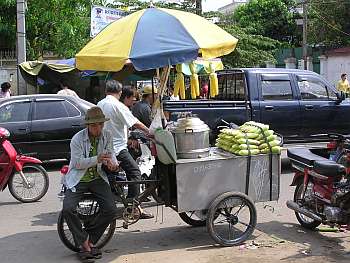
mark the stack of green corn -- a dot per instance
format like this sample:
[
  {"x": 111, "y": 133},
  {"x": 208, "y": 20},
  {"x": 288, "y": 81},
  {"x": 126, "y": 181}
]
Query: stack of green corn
[{"x": 249, "y": 139}]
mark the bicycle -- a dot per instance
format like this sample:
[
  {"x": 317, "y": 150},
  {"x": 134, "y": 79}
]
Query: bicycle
[{"x": 88, "y": 209}]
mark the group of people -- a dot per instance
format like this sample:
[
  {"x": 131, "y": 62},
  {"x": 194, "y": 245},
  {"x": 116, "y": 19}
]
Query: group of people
[{"x": 96, "y": 152}]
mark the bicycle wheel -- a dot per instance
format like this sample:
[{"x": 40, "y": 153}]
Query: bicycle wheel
[
  {"x": 38, "y": 183},
  {"x": 231, "y": 218},
  {"x": 87, "y": 210},
  {"x": 193, "y": 218}
]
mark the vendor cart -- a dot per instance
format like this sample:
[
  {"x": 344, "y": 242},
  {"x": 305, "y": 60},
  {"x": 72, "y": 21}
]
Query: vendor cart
[{"x": 220, "y": 190}]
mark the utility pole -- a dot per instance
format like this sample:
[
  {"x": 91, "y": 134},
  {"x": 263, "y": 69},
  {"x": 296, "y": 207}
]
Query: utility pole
[
  {"x": 21, "y": 44},
  {"x": 305, "y": 33}
]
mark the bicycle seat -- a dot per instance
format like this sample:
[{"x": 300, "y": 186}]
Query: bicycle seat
[
  {"x": 304, "y": 156},
  {"x": 329, "y": 168}
]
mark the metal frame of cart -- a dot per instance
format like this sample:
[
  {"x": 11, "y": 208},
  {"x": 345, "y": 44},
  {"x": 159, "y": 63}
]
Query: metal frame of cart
[{"x": 216, "y": 190}]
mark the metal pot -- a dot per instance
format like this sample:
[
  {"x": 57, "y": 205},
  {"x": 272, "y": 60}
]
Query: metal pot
[{"x": 191, "y": 137}]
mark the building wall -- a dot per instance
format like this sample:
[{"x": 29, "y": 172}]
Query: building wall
[
  {"x": 9, "y": 74},
  {"x": 230, "y": 8},
  {"x": 336, "y": 65}
]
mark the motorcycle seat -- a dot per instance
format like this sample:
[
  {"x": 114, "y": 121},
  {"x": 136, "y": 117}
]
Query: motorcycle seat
[
  {"x": 304, "y": 156},
  {"x": 329, "y": 168}
]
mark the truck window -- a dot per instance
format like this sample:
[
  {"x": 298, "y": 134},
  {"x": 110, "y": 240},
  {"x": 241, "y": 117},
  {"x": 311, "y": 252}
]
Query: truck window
[
  {"x": 231, "y": 86},
  {"x": 276, "y": 90},
  {"x": 313, "y": 89}
]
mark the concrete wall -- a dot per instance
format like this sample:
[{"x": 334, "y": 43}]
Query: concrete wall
[
  {"x": 9, "y": 74},
  {"x": 334, "y": 66}
]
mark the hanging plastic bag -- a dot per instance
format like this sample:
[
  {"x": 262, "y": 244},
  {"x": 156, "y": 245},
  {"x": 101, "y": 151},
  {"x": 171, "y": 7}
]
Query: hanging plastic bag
[{"x": 157, "y": 121}]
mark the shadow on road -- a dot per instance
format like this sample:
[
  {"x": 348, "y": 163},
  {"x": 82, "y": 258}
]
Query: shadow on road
[
  {"x": 309, "y": 243},
  {"x": 45, "y": 219},
  {"x": 10, "y": 203}
]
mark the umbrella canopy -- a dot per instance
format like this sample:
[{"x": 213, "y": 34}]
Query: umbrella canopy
[
  {"x": 154, "y": 38},
  {"x": 53, "y": 71}
]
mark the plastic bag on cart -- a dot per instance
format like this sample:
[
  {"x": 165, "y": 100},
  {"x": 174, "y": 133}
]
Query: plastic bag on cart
[
  {"x": 165, "y": 146},
  {"x": 157, "y": 121}
]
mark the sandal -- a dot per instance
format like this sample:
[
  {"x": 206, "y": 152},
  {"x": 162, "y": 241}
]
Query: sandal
[
  {"x": 96, "y": 252},
  {"x": 86, "y": 257}
]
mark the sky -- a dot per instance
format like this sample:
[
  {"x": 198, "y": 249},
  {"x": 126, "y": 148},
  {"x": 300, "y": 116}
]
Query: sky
[
  {"x": 210, "y": 5},
  {"x": 213, "y": 5}
]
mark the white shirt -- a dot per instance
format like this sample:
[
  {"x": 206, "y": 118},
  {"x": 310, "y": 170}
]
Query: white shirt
[
  {"x": 121, "y": 119},
  {"x": 4, "y": 95},
  {"x": 68, "y": 92}
]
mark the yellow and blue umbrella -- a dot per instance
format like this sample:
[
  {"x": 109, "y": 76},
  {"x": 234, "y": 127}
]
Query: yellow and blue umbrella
[{"x": 154, "y": 38}]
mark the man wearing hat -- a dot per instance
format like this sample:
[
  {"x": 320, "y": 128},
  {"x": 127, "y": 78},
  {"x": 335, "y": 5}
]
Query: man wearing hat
[
  {"x": 142, "y": 110},
  {"x": 90, "y": 148},
  {"x": 121, "y": 119}
]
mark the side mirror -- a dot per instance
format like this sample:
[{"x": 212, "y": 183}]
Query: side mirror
[{"x": 340, "y": 97}]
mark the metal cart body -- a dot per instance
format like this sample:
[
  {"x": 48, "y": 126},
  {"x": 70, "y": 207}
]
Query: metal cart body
[{"x": 199, "y": 181}]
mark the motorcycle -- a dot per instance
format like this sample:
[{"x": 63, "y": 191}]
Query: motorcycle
[
  {"x": 26, "y": 179},
  {"x": 322, "y": 193},
  {"x": 339, "y": 150}
]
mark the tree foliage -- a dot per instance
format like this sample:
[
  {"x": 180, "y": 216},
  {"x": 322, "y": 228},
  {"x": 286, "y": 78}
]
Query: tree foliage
[
  {"x": 7, "y": 23},
  {"x": 58, "y": 26},
  {"x": 270, "y": 18},
  {"x": 252, "y": 50},
  {"x": 61, "y": 26},
  {"x": 329, "y": 23}
]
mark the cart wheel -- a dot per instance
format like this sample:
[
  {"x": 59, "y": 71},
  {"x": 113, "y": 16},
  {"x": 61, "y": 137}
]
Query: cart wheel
[
  {"x": 231, "y": 218},
  {"x": 193, "y": 218}
]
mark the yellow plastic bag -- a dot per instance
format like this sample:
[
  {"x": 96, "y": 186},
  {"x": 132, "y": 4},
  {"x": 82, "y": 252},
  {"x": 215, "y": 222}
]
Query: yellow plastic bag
[
  {"x": 194, "y": 82},
  {"x": 179, "y": 86},
  {"x": 214, "y": 83}
]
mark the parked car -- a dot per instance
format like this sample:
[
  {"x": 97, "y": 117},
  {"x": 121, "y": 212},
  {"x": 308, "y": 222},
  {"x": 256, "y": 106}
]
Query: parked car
[
  {"x": 301, "y": 105},
  {"x": 43, "y": 125}
]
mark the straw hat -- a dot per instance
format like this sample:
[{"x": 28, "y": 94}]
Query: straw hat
[
  {"x": 95, "y": 115},
  {"x": 148, "y": 90}
]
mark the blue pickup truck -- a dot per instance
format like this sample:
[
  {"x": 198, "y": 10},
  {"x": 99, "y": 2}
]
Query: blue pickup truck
[{"x": 301, "y": 105}]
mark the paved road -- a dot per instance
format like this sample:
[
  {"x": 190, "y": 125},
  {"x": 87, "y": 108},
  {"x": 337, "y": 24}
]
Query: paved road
[{"x": 28, "y": 234}]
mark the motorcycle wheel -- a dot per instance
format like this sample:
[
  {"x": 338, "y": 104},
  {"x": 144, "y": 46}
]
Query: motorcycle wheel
[
  {"x": 304, "y": 221},
  {"x": 39, "y": 184},
  {"x": 87, "y": 210}
]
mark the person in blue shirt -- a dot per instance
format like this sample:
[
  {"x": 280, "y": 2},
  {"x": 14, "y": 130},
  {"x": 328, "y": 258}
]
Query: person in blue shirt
[{"x": 91, "y": 148}]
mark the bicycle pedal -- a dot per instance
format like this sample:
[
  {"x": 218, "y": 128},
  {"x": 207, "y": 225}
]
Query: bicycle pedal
[{"x": 125, "y": 225}]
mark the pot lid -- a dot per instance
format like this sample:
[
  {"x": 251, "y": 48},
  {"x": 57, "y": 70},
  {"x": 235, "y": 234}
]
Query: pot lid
[{"x": 189, "y": 124}]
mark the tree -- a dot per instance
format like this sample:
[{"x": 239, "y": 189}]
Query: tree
[
  {"x": 329, "y": 23},
  {"x": 61, "y": 27},
  {"x": 252, "y": 50},
  {"x": 7, "y": 23},
  {"x": 270, "y": 18}
]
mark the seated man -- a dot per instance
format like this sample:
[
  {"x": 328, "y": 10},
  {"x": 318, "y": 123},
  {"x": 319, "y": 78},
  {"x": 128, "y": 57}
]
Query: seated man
[{"x": 90, "y": 148}]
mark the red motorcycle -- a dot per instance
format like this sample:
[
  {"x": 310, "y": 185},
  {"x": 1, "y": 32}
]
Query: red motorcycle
[
  {"x": 322, "y": 193},
  {"x": 339, "y": 150},
  {"x": 26, "y": 179}
]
